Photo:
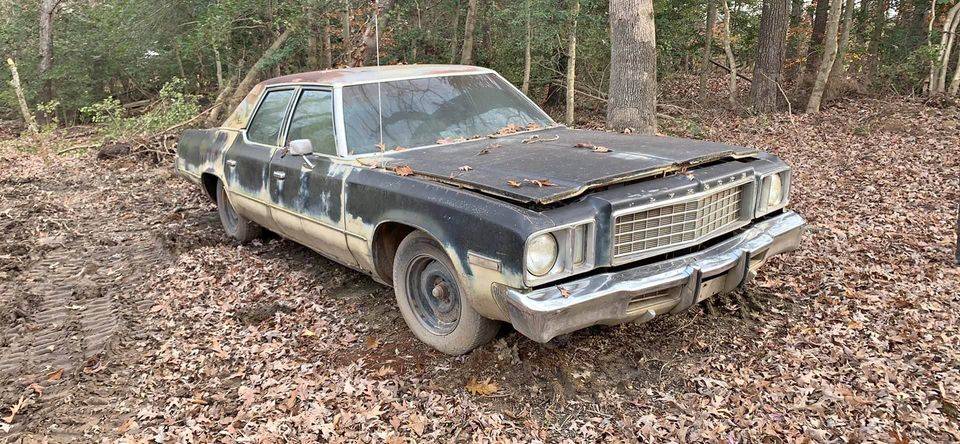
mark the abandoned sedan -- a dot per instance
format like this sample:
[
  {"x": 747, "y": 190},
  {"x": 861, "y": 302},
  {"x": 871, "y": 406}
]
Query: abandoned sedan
[{"x": 450, "y": 185}]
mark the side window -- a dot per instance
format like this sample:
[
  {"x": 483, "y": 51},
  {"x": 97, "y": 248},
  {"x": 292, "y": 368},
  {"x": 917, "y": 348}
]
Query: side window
[
  {"x": 266, "y": 124},
  {"x": 313, "y": 120}
]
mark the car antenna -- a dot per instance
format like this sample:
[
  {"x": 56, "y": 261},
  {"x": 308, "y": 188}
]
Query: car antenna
[{"x": 376, "y": 45}]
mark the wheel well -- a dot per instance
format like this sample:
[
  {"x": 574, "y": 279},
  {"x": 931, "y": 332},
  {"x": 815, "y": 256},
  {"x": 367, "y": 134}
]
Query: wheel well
[
  {"x": 209, "y": 182},
  {"x": 386, "y": 240}
]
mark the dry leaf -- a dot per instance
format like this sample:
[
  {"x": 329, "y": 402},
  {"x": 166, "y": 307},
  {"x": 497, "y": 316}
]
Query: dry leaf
[
  {"x": 488, "y": 148},
  {"x": 197, "y": 399},
  {"x": 14, "y": 410},
  {"x": 601, "y": 149},
  {"x": 514, "y": 183},
  {"x": 381, "y": 147},
  {"x": 541, "y": 182},
  {"x": 55, "y": 375},
  {"x": 385, "y": 371},
  {"x": 403, "y": 170},
  {"x": 565, "y": 292},
  {"x": 399, "y": 148},
  {"x": 215, "y": 346},
  {"x": 371, "y": 342},
  {"x": 417, "y": 423},
  {"x": 482, "y": 388},
  {"x": 465, "y": 168},
  {"x": 308, "y": 333},
  {"x": 37, "y": 388},
  {"x": 126, "y": 426},
  {"x": 536, "y": 138}
]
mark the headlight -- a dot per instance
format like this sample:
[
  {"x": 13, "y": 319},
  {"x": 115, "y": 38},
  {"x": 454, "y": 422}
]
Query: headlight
[
  {"x": 541, "y": 254},
  {"x": 775, "y": 192}
]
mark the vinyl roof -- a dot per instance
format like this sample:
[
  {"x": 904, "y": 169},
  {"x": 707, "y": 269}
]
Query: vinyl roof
[{"x": 368, "y": 74}]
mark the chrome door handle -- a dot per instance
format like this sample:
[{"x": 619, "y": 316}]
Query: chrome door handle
[
  {"x": 279, "y": 175},
  {"x": 232, "y": 163}
]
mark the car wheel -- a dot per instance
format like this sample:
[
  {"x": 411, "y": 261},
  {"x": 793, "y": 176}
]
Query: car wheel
[
  {"x": 432, "y": 298},
  {"x": 236, "y": 226}
]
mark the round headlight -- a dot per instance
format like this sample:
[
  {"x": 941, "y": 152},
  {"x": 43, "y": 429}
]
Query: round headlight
[
  {"x": 541, "y": 254},
  {"x": 775, "y": 193}
]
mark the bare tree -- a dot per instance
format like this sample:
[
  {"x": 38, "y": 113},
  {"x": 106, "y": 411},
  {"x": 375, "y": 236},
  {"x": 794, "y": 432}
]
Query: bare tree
[
  {"x": 572, "y": 61},
  {"x": 840, "y": 66},
  {"x": 829, "y": 56},
  {"x": 47, "y": 10},
  {"x": 815, "y": 47},
  {"x": 18, "y": 90},
  {"x": 955, "y": 83},
  {"x": 466, "y": 53},
  {"x": 939, "y": 77},
  {"x": 771, "y": 48},
  {"x": 345, "y": 31},
  {"x": 728, "y": 50},
  {"x": 365, "y": 54},
  {"x": 253, "y": 73},
  {"x": 632, "y": 96},
  {"x": 705, "y": 64},
  {"x": 327, "y": 49},
  {"x": 455, "y": 34},
  {"x": 526, "y": 54}
]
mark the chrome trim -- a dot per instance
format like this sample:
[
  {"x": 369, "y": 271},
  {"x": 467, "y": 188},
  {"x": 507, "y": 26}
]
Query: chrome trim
[
  {"x": 786, "y": 184},
  {"x": 483, "y": 261},
  {"x": 745, "y": 219},
  {"x": 643, "y": 292},
  {"x": 563, "y": 266}
]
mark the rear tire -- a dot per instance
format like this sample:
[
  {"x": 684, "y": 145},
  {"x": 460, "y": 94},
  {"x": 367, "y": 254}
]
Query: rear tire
[
  {"x": 236, "y": 226},
  {"x": 432, "y": 298}
]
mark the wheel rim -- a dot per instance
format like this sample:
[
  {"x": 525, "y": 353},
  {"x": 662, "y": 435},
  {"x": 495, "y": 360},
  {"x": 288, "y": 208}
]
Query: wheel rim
[
  {"x": 433, "y": 294},
  {"x": 230, "y": 218}
]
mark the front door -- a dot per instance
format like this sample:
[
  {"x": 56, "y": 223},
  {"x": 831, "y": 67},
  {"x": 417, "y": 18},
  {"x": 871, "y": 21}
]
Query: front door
[
  {"x": 247, "y": 161},
  {"x": 306, "y": 190}
]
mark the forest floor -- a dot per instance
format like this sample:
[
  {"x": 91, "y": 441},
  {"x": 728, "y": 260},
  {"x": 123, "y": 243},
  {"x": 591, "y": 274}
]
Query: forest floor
[{"x": 126, "y": 313}]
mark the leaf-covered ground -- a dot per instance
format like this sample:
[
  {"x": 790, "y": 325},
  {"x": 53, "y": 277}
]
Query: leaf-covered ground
[{"x": 166, "y": 330}]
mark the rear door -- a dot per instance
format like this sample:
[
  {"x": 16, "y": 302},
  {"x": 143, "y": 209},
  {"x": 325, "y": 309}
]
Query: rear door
[
  {"x": 247, "y": 161},
  {"x": 306, "y": 191}
]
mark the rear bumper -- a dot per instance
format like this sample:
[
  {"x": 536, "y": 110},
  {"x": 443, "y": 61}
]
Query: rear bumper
[{"x": 642, "y": 293}]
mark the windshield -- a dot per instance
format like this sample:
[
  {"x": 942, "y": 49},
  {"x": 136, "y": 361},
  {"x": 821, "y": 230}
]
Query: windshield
[{"x": 419, "y": 112}]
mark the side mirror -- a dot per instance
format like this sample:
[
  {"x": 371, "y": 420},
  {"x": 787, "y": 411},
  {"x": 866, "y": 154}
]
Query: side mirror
[{"x": 300, "y": 147}]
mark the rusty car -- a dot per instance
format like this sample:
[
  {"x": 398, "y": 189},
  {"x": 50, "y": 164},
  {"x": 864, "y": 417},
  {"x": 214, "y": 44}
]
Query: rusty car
[{"x": 450, "y": 185}]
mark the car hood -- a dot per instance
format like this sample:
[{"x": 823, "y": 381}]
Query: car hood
[{"x": 546, "y": 166}]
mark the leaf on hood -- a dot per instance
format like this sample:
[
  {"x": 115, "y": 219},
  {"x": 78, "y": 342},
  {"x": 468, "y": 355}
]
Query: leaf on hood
[
  {"x": 482, "y": 388},
  {"x": 509, "y": 129},
  {"x": 541, "y": 182},
  {"x": 465, "y": 168},
  {"x": 403, "y": 170},
  {"x": 488, "y": 148},
  {"x": 446, "y": 140},
  {"x": 514, "y": 183},
  {"x": 536, "y": 138},
  {"x": 399, "y": 148},
  {"x": 593, "y": 147}
]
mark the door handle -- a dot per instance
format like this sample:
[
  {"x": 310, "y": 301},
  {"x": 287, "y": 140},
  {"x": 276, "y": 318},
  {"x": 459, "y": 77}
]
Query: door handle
[
  {"x": 279, "y": 175},
  {"x": 232, "y": 163}
]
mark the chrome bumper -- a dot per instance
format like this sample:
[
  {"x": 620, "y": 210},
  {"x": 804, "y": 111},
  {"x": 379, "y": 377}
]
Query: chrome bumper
[{"x": 642, "y": 293}]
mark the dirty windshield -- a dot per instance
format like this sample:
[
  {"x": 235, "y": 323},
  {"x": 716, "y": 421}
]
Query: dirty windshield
[{"x": 420, "y": 112}]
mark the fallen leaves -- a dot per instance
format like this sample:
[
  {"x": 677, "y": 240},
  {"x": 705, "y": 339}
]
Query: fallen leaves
[
  {"x": 55, "y": 375},
  {"x": 515, "y": 183},
  {"x": 486, "y": 150},
  {"x": 14, "y": 410},
  {"x": 403, "y": 170},
  {"x": 593, "y": 148},
  {"x": 481, "y": 388},
  {"x": 465, "y": 168},
  {"x": 565, "y": 292},
  {"x": 536, "y": 138}
]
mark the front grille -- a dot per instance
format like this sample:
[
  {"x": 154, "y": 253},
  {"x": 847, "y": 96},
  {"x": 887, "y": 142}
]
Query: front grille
[{"x": 677, "y": 224}]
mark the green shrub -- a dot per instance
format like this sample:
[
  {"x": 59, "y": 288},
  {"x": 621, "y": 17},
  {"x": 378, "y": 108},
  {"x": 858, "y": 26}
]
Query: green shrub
[{"x": 175, "y": 106}]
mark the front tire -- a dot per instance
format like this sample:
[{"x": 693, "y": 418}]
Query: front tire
[
  {"x": 236, "y": 226},
  {"x": 432, "y": 298}
]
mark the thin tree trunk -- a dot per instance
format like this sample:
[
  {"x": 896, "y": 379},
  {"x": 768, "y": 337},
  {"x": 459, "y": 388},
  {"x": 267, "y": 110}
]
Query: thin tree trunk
[
  {"x": 220, "y": 102},
  {"x": 313, "y": 48},
  {"x": 815, "y": 48},
  {"x": 771, "y": 48},
  {"x": 955, "y": 83},
  {"x": 366, "y": 54},
  {"x": 456, "y": 34},
  {"x": 794, "y": 39},
  {"x": 219, "y": 65},
  {"x": 327, "y": 47},
  {"x": 572, "y": 62},
  {"x": 839, "y": 66},
  {"x": 829, "y": 56},
  {"x": 873, "y": 47},
  {"x": 251, "y": 77},
  {"x": 632, "y": 98},
  {"x": 946, "y": 45},
  {"x": 526, "y": 54},
  {"x": 417, "y": 42},
  {"x": 18, "y": 90},
  {"x": 933, "y": 18},
  {"x": 466, "y": 53},
  {"x": 47, "y": 8},
  {"x": 345, "y": 31},
  {"x": 728, "y": 50},
  {"x": 705, "y": 65}
]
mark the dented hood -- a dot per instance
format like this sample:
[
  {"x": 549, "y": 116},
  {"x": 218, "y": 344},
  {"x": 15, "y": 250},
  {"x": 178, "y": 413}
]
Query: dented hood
[{"x": 551, "y": 156}]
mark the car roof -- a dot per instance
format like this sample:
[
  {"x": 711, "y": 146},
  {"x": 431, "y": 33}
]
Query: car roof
[{"x": 369, "y": 74}]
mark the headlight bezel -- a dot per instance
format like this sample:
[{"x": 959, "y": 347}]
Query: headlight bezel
[
  {"x": 568, "y": 239},
  {"x": 549, "y": 264},
  {"x": 763, "y": 205}
]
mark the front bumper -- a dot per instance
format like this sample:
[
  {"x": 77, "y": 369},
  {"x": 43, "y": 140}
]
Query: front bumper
[{"x": 644, "y": 292}]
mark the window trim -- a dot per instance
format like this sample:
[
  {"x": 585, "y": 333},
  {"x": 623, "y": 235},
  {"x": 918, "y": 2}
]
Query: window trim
[
  {"x": 283, "y": 122},
  {"x": 296, "y": 101}
]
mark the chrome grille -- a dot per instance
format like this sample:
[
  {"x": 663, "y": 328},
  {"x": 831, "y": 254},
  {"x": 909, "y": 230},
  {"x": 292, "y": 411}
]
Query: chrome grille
[{"x": 675, "y": 224}]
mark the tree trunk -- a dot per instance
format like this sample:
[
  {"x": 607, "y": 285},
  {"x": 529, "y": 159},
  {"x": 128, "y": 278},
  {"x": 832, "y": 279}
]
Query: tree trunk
[
  {"x": 345, "y": 32},
  {"x": 728, "y": 50},
  {"x": 251, "y": 77},
  {"x": 955, "y": 83},
  {"x": 705, "y": 65},
  {"x": 572, "y": 62},
  {"x": 313, "y": 48},
  {"x": 873, "y": 47},
  {"x": 526, "y": 54},
  {"x": 815, "y": 48},
  {"x": 367, "y": 52},
  {"x": 47, "y": 8},
  {"x": 327, "y": 47},
  {"x": 455, "y": 35},
  {"x": 839, "y": 66},
  {"x": 466, "y": 53},
  {"x": 794, "y": 39},
  {"x": 219, "y": 65},
  {"x": 18, "y": 90},
  {"x": 632, "y": 95},
  {"x": 220, "y": 102},
  {"x": 946, "y": 45},
  {"x": 829, "y": 56},
  {"x": 771, "y": 48}
]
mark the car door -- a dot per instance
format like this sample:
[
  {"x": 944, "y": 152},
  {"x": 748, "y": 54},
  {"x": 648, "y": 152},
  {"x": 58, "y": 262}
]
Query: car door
[
  {"x": 306, "y": 190},
  {"x": 247, "y": 161}
]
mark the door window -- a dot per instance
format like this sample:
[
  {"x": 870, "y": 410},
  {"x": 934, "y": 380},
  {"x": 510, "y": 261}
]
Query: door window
[
  {"x": 313, "y": 120},
  {"x": 268, "y": 121}
]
